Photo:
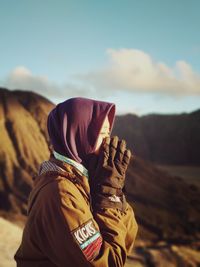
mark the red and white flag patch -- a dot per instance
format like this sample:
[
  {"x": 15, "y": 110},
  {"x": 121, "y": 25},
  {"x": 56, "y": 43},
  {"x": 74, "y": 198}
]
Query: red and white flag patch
[{"x": 89, "y": 239}]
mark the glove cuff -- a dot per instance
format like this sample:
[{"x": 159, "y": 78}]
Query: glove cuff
[
  {"x": 107, "y": 190},
  {"x": 109, "y": 199}
]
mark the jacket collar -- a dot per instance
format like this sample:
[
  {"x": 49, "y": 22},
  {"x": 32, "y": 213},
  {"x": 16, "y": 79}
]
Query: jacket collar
[{"x": 72, "y": 162}]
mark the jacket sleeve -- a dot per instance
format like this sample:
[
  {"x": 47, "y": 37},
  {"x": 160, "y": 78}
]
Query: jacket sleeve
[
  {"x": 71, "y": 234},
  {"x": 119, "y": 231}
]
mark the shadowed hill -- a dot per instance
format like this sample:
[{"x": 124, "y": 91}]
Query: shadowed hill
[{"x": 164, "y": 139}]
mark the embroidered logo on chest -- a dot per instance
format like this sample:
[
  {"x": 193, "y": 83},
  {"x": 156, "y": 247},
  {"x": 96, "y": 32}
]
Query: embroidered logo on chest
[{"x": 89, "y": 239}]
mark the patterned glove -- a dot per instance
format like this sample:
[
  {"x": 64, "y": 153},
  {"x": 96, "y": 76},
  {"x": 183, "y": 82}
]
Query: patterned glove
[{"x": 107, "y": 173}]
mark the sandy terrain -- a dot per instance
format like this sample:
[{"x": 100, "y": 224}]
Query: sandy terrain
[{"x": 10, "y": 238}]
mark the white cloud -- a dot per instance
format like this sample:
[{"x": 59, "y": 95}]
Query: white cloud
[
  {"x": 127, "y": 71},
  {"x": 23, "y": 79},
  {"x": 135, "y": 71}
]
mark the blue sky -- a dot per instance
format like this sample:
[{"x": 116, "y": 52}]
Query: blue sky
[{"x": 142, "y": 55}]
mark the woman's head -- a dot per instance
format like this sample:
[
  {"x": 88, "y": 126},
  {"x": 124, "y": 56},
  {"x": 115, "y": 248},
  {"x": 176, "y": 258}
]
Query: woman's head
[{"x": 78, "y": 125}]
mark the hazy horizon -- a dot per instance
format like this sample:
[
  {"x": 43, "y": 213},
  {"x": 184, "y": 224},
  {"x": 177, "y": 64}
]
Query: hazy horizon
[{"x": 117, "y": 111}]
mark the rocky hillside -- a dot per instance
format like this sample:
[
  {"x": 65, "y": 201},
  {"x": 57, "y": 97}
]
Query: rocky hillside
[
  {"x": 164, "y": 139},
  {"x": 23, "y": 145}
]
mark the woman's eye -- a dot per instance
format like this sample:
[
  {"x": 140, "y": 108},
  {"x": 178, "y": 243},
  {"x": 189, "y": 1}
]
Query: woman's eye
[{"x": 105, "y": 133}]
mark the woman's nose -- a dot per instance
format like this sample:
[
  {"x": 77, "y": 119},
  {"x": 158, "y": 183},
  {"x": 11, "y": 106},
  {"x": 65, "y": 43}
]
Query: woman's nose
[{"x": 107, "y": 134}]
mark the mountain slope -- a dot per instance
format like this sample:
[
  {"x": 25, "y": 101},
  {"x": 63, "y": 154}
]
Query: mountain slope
[
  {"x": 23, "y": 145},
  {"x": 166, "y": 207},
  {"x": 164, "y": 139}
]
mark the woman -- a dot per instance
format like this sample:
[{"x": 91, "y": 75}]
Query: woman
[{"x": 77, "y": 212}]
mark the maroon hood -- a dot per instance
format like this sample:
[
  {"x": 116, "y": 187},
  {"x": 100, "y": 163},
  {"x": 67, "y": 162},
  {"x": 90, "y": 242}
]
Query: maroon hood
[{"x": 74, "y": 126}]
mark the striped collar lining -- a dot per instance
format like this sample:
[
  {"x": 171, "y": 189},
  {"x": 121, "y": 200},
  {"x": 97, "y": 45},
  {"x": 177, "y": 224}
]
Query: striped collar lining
[{"x": 77, "y": 165}]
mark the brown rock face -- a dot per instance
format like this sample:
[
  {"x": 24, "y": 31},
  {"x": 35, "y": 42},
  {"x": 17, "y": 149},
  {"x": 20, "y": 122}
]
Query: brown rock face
[{"x": 23, "y": 145}]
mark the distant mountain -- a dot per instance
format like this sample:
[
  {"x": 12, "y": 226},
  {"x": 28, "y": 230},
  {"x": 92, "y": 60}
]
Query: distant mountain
[
  {"x": 163, "y": 139},
  {"x": 166, "y": 207}
]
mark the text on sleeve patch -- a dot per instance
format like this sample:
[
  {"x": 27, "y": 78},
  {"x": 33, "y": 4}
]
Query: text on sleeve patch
[{"x": 89, "y": 239}]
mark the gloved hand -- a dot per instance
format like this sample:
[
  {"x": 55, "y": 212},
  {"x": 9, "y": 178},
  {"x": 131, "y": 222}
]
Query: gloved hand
[{"x": 107, "y": 173}]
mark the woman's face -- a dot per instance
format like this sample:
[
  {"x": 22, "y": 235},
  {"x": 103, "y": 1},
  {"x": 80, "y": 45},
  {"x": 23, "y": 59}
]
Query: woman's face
[{"x": 104, "y": 132}]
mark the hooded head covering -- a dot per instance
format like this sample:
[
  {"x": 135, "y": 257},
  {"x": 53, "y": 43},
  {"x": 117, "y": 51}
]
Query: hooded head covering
[{"x": 74, "y": 126}]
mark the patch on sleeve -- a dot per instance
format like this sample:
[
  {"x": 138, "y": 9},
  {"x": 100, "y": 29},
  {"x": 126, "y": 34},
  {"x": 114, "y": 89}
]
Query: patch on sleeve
[{"x": 89, "y": 239}]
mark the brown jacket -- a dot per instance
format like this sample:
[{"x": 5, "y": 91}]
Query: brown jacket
[{"x": 62, "y": 230}]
